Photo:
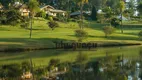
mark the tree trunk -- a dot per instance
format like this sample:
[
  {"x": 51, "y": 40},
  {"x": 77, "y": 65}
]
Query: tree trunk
[
  {"x": 81, "y": 11},
  {"x": 31, "y": 27},
  {"x": 121, "y": 22}
]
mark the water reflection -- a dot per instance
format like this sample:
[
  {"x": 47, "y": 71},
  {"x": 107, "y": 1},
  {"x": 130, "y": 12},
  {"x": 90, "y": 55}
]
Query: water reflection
[{"x": 115, "y": 63}]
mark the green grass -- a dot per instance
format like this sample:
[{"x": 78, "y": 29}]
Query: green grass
[{"x": 43, "y": 36}]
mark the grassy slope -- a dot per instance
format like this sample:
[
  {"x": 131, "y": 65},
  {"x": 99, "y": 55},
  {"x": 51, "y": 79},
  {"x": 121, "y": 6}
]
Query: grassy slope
[{"x": 12, "y": 37}]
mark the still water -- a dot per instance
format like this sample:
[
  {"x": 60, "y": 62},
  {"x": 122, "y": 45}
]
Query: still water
[{"x": 43, "y": 57}]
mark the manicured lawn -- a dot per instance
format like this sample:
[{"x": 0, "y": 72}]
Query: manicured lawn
[{"x": 44, "y": 36}]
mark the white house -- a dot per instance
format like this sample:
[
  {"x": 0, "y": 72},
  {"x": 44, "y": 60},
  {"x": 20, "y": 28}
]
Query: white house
[{"x": 52, "y": 11}]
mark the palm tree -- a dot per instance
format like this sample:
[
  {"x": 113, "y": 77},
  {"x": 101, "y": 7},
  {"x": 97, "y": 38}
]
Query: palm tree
[
  {"x": 33, "y": 6},
  {"x": 122, "y": 7},
  {"x": 81, "y": 4}
]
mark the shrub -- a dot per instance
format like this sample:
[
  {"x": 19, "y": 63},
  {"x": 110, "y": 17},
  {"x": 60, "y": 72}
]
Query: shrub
[
  {"x": 50, "y": 18},
  {"x": 100, "y": 18},
  {"x": 115, "y": 22},
  {"x": 25, "y": 25},
  {"x": 108, "y": 30},
  {"x": 53, "y": 25},
  {"x": 81, "y": 34},
  {"x": 140, "y": 34}
]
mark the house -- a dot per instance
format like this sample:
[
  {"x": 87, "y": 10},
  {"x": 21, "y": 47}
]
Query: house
[
  {"x": 51, "y": 11},
  {"x": 1, "y": 7},
  {"x": 123, "y": 18},
  {"x": 78, "y": 13},
  {"x": 23, "y": 9}
]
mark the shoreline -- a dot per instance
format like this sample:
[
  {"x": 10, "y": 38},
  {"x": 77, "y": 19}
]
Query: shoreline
[{"x": 99, "y": 44}]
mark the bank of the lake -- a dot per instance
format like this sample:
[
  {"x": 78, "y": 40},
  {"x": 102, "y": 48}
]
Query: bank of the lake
[{"x": 53, "y": 45}]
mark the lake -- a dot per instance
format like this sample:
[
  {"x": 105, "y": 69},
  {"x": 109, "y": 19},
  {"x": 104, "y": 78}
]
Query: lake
[{"x": 42, "y": 57}]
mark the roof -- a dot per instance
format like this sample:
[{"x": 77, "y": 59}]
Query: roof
[
  {"x": 78, "y": 13},
  {"x": 45, "y": 6},
  {"x": 20, "y": 6},
  {"x": 75, "y": 13},
  {"x": 57, "y": 11}
]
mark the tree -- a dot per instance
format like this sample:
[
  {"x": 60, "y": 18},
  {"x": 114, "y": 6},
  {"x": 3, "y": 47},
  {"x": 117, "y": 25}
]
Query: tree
[
  {"x": 101, "y": 17},
  {"x": 94, "y": 13},
  {"x": 81, "y": 34},
  {"x": 41, "y": 14},
  {"x": 53, "y": 24},
  {"x": 81, "y": 4},
  {"x": 115, "y": 22},
  {"x": 13, "y": 17},
  {"x": 108, "y": 12},
  {"x": 108, "y": 30},
  {"x": 122, "y": 8},
  {"x": 140, "y": 34},
  {"x": 97, "y": 3},
  {"x": 33, "y": 7},
  {"x": 139, "y": 7},
  {"x": 131, "y": 7},
  {"x": 112, "y": 4}
]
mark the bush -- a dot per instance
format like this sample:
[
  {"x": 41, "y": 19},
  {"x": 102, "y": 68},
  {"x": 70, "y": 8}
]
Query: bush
[
  {"x": 81, "y": 34},
  {"x": 50, "y": 18},
  {"x": 140, "y": 35},
  {"x": 115, "y": 22},
  {"x": 108, "y": 30},
  {"x": 53, "y": 25},
  {"x": 100, "y": 18},
  {"x": 25, "y": 25}
]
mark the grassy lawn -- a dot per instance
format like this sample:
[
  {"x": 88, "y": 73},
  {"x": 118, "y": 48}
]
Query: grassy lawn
[{"x": 43, "y": 36}]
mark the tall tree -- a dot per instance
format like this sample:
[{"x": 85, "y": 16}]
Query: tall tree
[
  {"x": 94, "y": 13},
  {"x": 139, "y": 7},
  {"x": 113, "y": 4},
  {"x": 96, "y": 3},
  {"x": 122, "y": 8},
  {"x": 131, "y": 7},
  {"x": 81, "y": 4},
  {"x": 33, "y": 7}
]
